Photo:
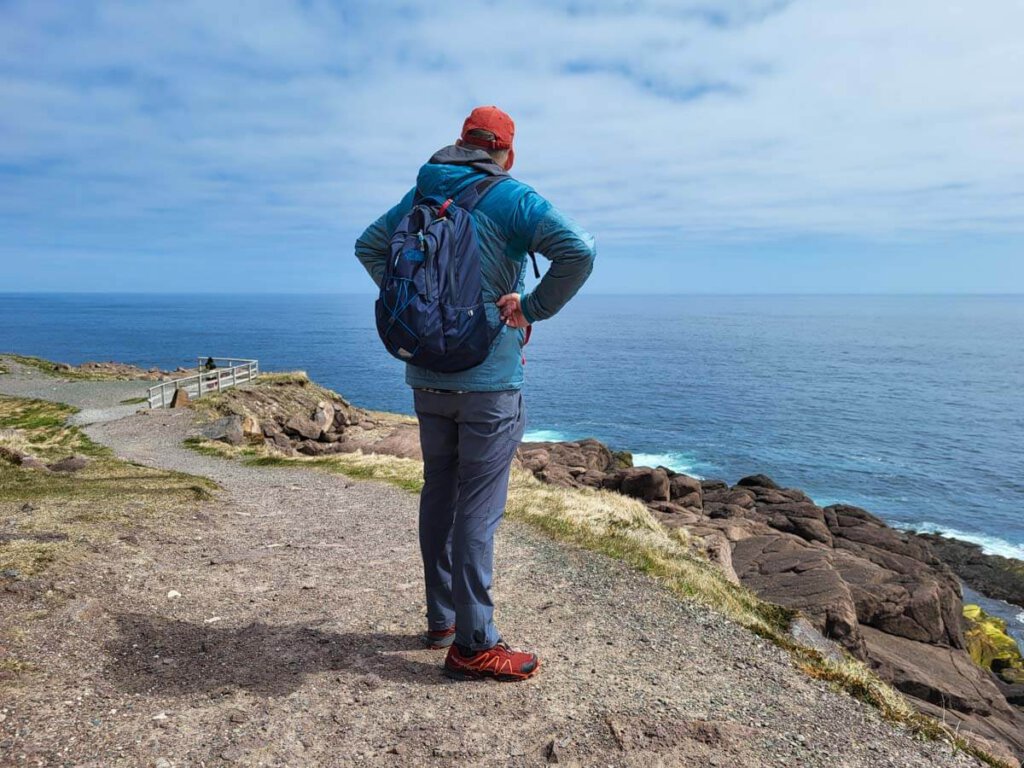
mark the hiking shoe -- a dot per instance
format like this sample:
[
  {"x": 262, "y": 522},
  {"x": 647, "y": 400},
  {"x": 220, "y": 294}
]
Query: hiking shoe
[
  {"x": 435, "y": 639},
  {"x": 500, "y": 662}
]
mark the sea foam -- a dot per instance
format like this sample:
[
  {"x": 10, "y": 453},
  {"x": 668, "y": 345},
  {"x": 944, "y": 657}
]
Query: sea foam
[{"x": 990, "y": 545}]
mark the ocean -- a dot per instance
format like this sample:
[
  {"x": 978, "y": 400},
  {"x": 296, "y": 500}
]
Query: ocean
[{"x": 909, "y": 406}]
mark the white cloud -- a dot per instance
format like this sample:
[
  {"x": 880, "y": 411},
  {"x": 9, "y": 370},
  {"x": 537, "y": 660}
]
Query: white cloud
[{"x": 650, "y": 122}]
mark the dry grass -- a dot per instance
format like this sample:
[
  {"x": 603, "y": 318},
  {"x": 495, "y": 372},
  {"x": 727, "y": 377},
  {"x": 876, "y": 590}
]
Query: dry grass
[
  {"x": 51, "y": 369},
  {"x": 67, "y": 515}
]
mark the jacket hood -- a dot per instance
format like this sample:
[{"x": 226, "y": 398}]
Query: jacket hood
[{"x": 452, "y": 168}]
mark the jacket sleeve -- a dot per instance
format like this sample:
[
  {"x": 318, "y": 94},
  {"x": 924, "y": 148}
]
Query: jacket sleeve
[
  {"x": 372, "y": 247},
  {"x": 571, "y": 251}
]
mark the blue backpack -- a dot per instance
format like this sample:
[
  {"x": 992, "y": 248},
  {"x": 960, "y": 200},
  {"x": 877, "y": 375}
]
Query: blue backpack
[{"x": 431, "y": 310}]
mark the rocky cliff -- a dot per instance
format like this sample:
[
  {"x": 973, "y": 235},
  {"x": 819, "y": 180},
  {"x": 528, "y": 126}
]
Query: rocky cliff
[{"x": 884, "y": 595}]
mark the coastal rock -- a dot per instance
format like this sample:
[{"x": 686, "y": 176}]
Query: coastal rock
[
  {"x": 303, "y": 427},
  {"x": 995, "y": 576},
  {"x": 640, "y": 483},
  {"x": 787, "y": 570},
  {"x": 227, "y": 430},
  {"x": 685, "y": 487},
  {"x": 180, "y": 399},
  {"x": 949, "y": 684},
  {"x": 589, "y": 454},
  {"x": 900, "y": 585}
]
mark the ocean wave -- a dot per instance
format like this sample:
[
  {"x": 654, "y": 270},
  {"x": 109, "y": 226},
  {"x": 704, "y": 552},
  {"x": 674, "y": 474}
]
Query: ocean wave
[
  {"x": 544, "y": 436},
  {"x": 990, "y": 545},
  {"x": 677, "y": 462}
]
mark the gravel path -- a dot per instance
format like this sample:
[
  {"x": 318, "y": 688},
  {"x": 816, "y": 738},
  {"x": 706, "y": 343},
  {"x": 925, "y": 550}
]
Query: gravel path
[{"x": 293, "y": 642}]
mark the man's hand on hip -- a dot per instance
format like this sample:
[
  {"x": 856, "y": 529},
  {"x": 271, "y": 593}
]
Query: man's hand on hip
[{"x": 512, "y": 311}]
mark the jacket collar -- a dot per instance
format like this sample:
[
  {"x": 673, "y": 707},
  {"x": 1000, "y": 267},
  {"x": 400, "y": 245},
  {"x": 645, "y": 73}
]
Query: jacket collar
[{"x": 471, "y": 156}]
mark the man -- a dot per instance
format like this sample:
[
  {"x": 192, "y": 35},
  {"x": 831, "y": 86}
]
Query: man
[{"x": 471, "y": 422}]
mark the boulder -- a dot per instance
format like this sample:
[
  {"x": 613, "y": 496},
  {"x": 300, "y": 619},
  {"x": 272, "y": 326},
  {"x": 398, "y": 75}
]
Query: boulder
[
  {"x": 534, "y": 459},
  {"x": 757, "y": 481},
  {"x": 303, "y": 427},
  {"x": 681, "y": 486},
  {"x": 316, "y": 448},
  {"x": 403, "y": 442},
  {"x": 70, "y": 464},
  {"x": 640, "y": 482},
  {"x": 227, "y": 430},
  {"x": 251, "y": 426},
  {"x": 323, "y": 416},
  {"x": 180, "y": 399}
]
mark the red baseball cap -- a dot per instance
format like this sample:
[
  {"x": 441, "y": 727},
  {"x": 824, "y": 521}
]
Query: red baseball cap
[{"x": 497, "y": 122}]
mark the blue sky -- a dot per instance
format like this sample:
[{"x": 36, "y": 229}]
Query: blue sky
[{"x": 733, "y": 146}]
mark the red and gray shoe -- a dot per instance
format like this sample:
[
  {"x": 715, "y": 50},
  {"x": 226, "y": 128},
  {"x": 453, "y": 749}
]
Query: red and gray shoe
[
  {"x": 436, "y": 639},
  {"x": 500, "y": 663}
]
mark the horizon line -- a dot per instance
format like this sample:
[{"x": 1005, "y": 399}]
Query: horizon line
[{"x": 588, "y": 293}]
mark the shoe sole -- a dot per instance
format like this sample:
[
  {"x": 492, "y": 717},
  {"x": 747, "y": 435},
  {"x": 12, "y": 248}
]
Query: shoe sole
[{"x": 470, "y": 674}]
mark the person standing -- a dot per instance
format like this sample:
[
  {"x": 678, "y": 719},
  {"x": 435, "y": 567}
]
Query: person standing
[{"x": 472, "y": 421}]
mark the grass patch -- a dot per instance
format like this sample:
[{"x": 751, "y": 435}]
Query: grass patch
[
  {"x": 135, "y": 401},
  {"x": 69, "y": 514},
  {"x": 39, "y": 427},
  {"x": 301, "y": 378},
  {"x": 55, "y": 369}
]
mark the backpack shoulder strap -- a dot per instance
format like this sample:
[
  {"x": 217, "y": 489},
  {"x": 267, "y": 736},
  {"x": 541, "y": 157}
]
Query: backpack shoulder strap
[{"x": 469, "y": 198}]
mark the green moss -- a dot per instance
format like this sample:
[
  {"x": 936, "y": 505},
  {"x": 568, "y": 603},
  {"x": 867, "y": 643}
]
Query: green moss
[
  {"x": 991, "y": 646},
  {"x": 134, "y": 401}
]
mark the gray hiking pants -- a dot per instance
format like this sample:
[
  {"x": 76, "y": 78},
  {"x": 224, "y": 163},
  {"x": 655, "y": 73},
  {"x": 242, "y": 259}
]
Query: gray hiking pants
[{"x": 468, "y": 441}]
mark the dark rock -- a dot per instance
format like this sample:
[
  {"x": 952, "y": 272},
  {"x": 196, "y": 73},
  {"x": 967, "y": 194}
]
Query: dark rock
[
  {"x": 684, "y": 485},
  {"x": 270, "y": 428},
  {"x": 740, "y": 497},
  {"x": 713, "y": 485},
  {"x": 70, "y": 464},
  {"x": 301, "y": 426},
  {"x": 621, "y": 460},
  {"x": 757, "y": 481},
  {"x": 227, "y": 430},
  {"x": 316, "y": 448},
  {"x": 1001, "y": 578},
  {"x": 641, "y": 483}
]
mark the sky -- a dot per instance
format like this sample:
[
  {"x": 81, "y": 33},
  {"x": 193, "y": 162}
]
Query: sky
[{"x": 730, "y": 146}]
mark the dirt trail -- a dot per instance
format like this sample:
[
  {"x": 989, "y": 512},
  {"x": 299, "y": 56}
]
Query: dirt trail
[{"x": 293, "y": 642}]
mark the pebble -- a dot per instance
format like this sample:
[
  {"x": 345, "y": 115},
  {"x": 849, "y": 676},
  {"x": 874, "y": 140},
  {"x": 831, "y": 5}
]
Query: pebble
[
  {"x": 173, "y": 594},
  {"x": 163, "y": 762}
]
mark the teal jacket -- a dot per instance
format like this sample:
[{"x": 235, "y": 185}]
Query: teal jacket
[{"x": 511, "y": 221}]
